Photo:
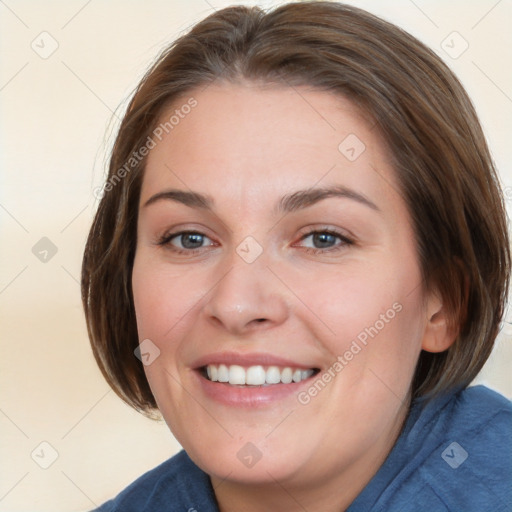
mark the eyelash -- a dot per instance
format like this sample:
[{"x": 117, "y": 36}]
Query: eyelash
[{"x": 165, "y": 241}]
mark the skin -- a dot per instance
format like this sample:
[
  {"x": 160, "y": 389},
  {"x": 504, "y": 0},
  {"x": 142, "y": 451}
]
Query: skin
[{"x": 245, "y": 147}]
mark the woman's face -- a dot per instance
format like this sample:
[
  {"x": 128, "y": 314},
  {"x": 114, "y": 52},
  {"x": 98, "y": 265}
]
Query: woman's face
[{"x": 274, "y": 246}]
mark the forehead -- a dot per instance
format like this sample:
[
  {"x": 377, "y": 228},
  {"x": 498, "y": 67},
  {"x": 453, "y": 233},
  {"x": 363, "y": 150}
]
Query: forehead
[{"x": 243, "y": 140}]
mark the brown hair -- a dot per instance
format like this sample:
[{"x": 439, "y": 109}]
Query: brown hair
[{"x": 441, "y": 159}]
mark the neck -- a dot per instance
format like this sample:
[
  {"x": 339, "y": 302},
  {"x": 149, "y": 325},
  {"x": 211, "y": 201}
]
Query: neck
[{"x": 275, "y": 495}]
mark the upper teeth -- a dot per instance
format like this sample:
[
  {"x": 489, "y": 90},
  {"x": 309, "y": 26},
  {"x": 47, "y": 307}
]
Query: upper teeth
[{"x": 255, "y": 375}]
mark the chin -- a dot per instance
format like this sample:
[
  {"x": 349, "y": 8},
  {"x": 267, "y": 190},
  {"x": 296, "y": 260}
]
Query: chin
[{"x": 240, "y": 460}]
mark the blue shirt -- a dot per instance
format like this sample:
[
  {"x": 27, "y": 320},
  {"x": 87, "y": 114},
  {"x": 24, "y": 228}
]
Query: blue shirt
[{"x": 453, "y": 454}]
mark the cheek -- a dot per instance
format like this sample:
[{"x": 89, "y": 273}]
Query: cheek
[
  {"x": 164, "y": 304},
  {"x": 372, "y": 318},
  {"x": 163, "y": 299},
  {"x": 348, "y": 302},
  {"x": 150, "y": 300}
]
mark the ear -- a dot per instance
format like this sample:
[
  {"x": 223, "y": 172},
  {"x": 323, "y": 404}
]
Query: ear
[{"x": 440, "y": 333}]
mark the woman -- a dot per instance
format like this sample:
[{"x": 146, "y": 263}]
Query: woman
[{"x": 300, "y": 259}]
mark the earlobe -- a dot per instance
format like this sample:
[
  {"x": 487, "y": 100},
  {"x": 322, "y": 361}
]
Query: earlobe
[
  {"x": 440, "y": 331},
  {"x": 443, "y": 325}
]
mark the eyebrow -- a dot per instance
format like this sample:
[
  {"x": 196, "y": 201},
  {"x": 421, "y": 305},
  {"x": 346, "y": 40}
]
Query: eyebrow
[
  {"x": 304, "y": 198},
  {"x": 192, "y": 199},
  {"x": 288, "y": 203}
]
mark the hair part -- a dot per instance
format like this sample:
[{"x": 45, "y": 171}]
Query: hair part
[{"x": 439, "y": 153}]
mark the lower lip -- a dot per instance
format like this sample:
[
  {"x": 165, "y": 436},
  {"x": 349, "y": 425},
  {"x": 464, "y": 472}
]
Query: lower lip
[{"x": 248, "y": 396}]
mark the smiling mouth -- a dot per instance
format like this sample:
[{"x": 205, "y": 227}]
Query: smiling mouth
[{"x": 236, "y": 375}]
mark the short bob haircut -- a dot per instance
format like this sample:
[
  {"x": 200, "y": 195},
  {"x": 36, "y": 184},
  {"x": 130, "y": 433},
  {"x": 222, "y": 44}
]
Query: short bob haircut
[{"x": 441, "y": 159}]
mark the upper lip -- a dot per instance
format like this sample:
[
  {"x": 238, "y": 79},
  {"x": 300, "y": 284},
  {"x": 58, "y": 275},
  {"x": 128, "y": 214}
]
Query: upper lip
[{"x": 248, "y": 359}]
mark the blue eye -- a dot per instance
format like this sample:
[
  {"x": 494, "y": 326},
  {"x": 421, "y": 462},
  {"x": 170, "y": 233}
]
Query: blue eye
[
  {"x": 187, "y": 240},
  {"x": 318, "y": 240},
  {"x": 323, "y": 240}
]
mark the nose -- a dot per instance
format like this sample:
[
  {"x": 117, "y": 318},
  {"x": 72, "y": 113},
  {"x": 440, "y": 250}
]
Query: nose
[{"x": 247, "y": 298}]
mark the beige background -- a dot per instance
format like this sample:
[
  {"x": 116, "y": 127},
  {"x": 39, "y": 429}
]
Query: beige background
[{"x": 57, "y": 121}]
